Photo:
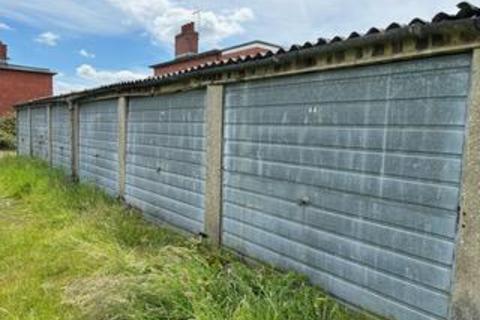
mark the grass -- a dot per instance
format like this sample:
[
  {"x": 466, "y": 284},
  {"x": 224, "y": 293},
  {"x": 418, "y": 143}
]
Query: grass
[
  {"x": 68, "y": 251},
  {"x": 4, "y": 153}
]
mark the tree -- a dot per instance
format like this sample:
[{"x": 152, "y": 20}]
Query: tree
[{"x": 7, "y": 131}]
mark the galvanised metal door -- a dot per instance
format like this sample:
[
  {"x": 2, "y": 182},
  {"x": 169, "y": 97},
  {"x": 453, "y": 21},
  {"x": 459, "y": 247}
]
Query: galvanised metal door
[
  {"x": 39, "y": 133},
  {"x": 23, "y": 132},
  {"x": 352, "y": 177},
  {"x": 98, "y": 144},
  {"x": 166, "y": 158},
  {"x": 61, "y": 137}
]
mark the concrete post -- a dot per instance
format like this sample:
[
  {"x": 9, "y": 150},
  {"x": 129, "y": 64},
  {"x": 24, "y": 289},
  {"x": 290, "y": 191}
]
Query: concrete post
[
  {"x": 74, "y": 137},
  {"x": 466, "y": 282},
  {"x": 49, "y": 134},
  {"x": 122, "y": 144},
  {"x": 17, "y": 136},
  {"x": 30, "y": 135},
  {"x": 213, "y": 182}
]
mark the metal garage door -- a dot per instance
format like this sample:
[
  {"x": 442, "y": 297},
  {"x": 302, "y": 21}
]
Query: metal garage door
[
  {"x": 352, "y": 177},
  {"x": 40, "y": 133},
  {"x": 98, "y": 161},
  {"x": 23, "y": 132},
  {"x": 61, "y": 137},
  {"x": 166, "y": 158}
]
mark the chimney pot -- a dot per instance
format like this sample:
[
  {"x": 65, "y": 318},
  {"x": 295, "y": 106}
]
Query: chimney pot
[
  {"x": 186, "y": 42},
  {"x": 189, "y": 27}
]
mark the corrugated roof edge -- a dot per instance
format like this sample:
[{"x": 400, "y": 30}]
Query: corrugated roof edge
[{"x": 468, "y": 15}]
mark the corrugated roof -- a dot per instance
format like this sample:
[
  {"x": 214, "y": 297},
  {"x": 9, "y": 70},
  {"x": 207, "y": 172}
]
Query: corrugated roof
[
  {"x": 466, "y": 11},
  {"x": 210, "y": 53},
  {"x": 265, "y": 43},
  {"x": 187, "y": 58}
]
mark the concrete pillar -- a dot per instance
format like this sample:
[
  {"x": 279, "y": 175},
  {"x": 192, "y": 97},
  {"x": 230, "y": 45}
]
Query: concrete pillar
[
  {"x": 17, "y": 130},
  {"x": 213, "y": 182},
  {"x": 74, "y": 136},
  {"x": 30, "y": 135},
  {"x": 122, "y": 144},
  {"x": 49, "y": 134},
  {"x": 466, "y": 281}
]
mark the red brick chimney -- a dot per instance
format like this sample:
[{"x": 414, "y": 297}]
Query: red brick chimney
[
  {"x": 186, "y": 42},
  {"x": 3, "y": 52}
]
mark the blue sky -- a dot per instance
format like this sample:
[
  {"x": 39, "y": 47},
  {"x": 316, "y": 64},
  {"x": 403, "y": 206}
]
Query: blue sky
[{"x": 94, "y": 42}]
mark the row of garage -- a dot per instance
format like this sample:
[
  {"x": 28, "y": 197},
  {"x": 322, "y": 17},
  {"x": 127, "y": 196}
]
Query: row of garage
[{"x": 351, "y": 176}]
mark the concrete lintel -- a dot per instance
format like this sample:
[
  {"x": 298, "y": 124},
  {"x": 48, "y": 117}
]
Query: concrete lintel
[
  {"x": 260, "y": 73},
  {"x": 213, "y": 182},
  {"x": 466, "y": 281},
  {"x": 122, "y": 143},
  {"x": 134, "y": 94}
]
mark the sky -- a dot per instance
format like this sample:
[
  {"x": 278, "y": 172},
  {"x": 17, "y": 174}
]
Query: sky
[{"x": 95, "y": 42}]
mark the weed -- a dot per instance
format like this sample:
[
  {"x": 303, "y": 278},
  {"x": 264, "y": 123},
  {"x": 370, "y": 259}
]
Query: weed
[{"x": 68, "y": 251}]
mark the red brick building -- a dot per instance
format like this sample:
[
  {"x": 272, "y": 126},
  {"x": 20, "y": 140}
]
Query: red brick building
[
  {"x": 187, "y": 56},
  {"x": 21, "y": 83}
]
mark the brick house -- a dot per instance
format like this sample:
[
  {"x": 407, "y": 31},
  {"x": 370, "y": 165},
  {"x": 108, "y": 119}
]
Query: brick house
[
  {"x": 187, "y": 55},
  {"x": 21, "y": 83}
]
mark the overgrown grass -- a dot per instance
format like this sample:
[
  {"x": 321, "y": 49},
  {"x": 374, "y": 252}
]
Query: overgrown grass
[{"x": 68, "y": 251}]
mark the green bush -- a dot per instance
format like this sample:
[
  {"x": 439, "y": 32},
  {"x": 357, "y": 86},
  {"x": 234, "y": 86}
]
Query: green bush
[{"x": 7, "y": 131}]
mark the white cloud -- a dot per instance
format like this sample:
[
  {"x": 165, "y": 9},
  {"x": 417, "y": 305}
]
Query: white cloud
[
  {"x": 101, "y": 77},
  {"x": 308, "y": 20},
  {"x": 88, "y": 77},
  {"x": 222, "y": 22},
  {"x": 86, "y": 54},
  {"x": 160, "y": 18},
  {"x": 62, "y": 87},
  {"x": 4, "y": 26},
  {"x": 163, "y": 18},
  {"x": 85, "y": 17},
  {"x": 48, "y": 39}
]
